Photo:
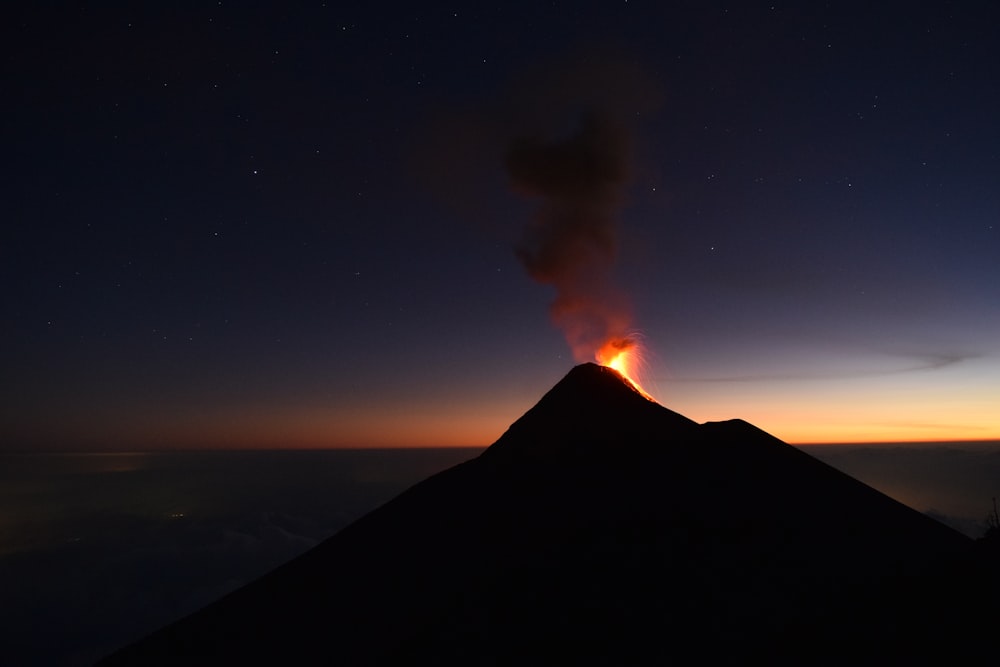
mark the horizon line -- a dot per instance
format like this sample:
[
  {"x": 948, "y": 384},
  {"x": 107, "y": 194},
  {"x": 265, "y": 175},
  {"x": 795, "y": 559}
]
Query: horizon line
[{"x": 348, "y": 448}]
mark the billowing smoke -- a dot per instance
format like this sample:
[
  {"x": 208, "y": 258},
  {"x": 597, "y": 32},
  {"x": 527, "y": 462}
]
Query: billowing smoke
[
  {"x": 571, "y": 243},
  {"x": 564, "y": 131}
]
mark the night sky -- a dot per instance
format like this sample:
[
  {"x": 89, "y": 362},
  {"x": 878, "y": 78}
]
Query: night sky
[{"x": 310, "y": 224}]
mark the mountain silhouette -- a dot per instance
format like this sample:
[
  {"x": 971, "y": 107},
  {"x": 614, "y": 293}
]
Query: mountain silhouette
[{"x": 604, "y": 529}]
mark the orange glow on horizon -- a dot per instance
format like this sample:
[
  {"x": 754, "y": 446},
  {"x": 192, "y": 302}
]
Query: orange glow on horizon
[
  {"x": 894, "y": 408},
  {"x": 890, "y": 409}
]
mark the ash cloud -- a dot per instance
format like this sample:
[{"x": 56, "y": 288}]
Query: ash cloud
[
  {"x": 571, "y": 243},
  {"x": 575, "y": 159},
  {"x": 564, "y": 133}
]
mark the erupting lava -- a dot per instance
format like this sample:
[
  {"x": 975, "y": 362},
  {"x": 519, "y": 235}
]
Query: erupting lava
[
  {"x": 573, "y": 155},
  {"x": 625, "y": 356}
]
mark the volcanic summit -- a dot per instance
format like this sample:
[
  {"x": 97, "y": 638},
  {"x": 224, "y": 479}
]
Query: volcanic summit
[{"x": 604, "y": 529}]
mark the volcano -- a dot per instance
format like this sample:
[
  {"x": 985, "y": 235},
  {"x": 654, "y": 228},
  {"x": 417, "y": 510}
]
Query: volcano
[{"x": 604, "y": 529}]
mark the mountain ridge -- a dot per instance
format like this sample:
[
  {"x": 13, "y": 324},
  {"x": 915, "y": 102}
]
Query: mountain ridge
[{"x": 600, "y": 528}]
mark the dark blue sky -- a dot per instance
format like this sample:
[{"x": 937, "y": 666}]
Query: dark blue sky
[{"x": 291, "y": 225}]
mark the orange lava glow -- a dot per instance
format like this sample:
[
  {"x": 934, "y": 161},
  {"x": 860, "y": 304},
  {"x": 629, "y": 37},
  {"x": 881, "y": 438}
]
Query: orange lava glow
[{"x": 625, "y": 356}]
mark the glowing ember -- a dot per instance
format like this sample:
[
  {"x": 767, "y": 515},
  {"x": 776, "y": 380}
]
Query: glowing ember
[{"x": 625, "y": 356}]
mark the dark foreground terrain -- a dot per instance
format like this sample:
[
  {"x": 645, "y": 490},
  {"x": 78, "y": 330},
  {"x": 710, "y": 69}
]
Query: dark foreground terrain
[{"x": 604, "y": 529}]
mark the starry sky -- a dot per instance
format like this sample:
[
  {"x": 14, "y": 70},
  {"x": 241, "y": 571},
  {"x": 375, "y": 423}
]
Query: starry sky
[{"x": 301, "y": 225}]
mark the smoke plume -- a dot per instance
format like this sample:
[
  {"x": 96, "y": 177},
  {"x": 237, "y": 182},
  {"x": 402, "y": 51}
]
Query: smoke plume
[
  {"x": 563, "y": 129},
  {"x": 571, "y": 243}
]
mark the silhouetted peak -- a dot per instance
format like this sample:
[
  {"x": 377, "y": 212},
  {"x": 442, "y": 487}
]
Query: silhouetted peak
[
  {"x": 736, "y": 429},
  {"x": 592, "y": 404},
  {"x": 591, "y": 382}
]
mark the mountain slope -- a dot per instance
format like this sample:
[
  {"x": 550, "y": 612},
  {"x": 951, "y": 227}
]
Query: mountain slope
[{"x": 601, "y": 528}]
